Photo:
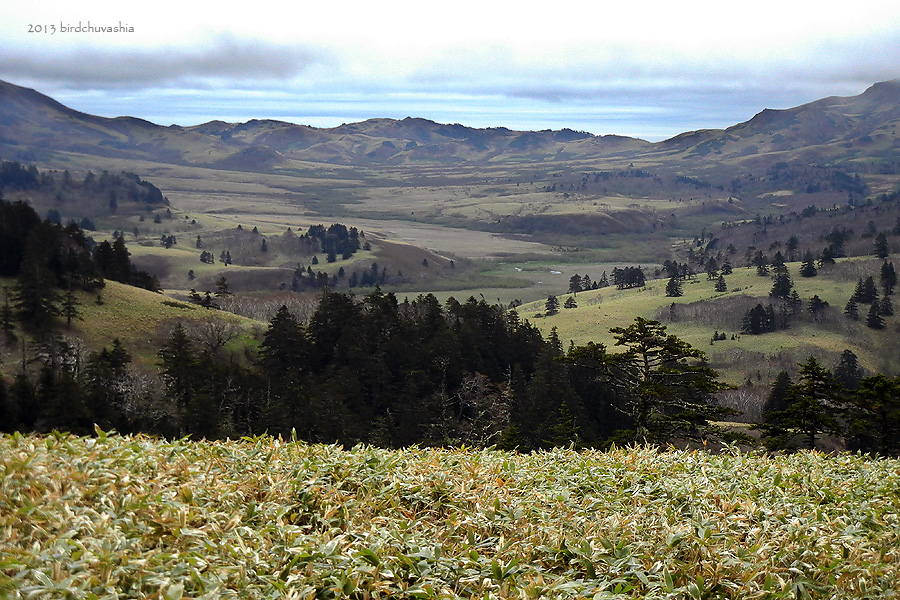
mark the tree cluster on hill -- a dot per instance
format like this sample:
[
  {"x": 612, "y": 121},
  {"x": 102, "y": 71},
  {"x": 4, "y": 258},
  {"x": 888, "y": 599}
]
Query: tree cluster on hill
[
  {"x": 869, "y": 227},
  {"x": 48, "y": 260},
  {"x": 60, "y": 194},
  {"x": 628, "y": 277},
  {"x": 577, "y": 283},
  {"x": 249, "y": 247}
]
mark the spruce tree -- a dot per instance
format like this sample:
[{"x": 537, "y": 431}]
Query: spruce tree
[
  {"x": 69, "y": 308},
  {"x": 811, "y": 406},
  {"x": 880, "y": 248},
  {"x": 852, "y": 309},
  {"x": 874, "y": 318},
  {"x": 848, "y": 372},
  {"x": 721, "y": 286},
  {"x": 874, "y": 416},
  {"x": 808, "y": 267},
  {"x": 782, "y": 285},
  {"x": 673, "y": 288},
  {"x": 888, "y": 278},
  {"x": 816, "y": 306},
  {"x": 551, "y": 306}
]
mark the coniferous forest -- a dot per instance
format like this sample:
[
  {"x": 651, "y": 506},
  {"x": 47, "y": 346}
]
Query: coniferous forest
[{"x": 374, "y": 369}]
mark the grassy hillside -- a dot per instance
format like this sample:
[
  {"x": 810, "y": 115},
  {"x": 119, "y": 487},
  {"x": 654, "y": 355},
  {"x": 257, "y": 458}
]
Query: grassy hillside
[
  {"x": 701, "y": 311},
  {"x": 259, "y": 518},
  {"x": 141, "y": 319}
]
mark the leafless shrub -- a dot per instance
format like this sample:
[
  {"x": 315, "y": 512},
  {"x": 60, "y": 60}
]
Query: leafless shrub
[
  {"x": 213, "y": 333},
  {"x": 263, "y": 308},
  {"x": 747, "y": 400}
]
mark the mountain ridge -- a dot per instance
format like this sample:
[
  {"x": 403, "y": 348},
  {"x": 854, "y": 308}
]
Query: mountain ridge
[{"x": 33, "y": 125}]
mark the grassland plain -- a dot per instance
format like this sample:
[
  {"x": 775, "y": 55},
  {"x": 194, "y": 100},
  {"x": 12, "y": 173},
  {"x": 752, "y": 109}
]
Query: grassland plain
[
  {"x": 137, "y": 517},
  {"x": 711, "y": 311}
]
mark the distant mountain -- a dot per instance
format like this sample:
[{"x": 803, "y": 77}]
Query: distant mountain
[
  {"x": 34, "y": 127},
  {"x": 862, "y": 127},
  {"x": 861, "y": 130}
]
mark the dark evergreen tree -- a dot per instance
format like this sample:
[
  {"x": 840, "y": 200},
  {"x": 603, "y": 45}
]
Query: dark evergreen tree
[
  {"x": 551, "y": 306},
  {"x": 777, "y": 399},
  {"x": 851, "y": 309},
  {"x": 888, "y": 278},
  {"x": 570, "y": 302},
  {"x": 874, "y": 319},
  {"x": 179, "y": 369},
  {"x": 17, "y": 220},
  {"x": 727, "y": 268},
  {"x": 721, "y": 285},
  {"x": 759, "y": 319},
  {"x": 874, "y": 416},
  {"x": 665, "y": 383},
  {"x": 827, "y": 257},
  {"x": 886, "y": 307},
  {"x": 866, "y": 292},
  {"x": 106, "y": 374},
  {"x": 880, "y": 247},
  {"x": 69, "y": 308},
  {"x": 812, "y": 407},
  {"x": 761, "y": 262},
  {"x": 673, "y": 288},
  {"x": 816, "y": 307},
  {"x": 848, "y": 372},
  {"x": 6, "y": 319},
  {"x": 808, "y": 267},
  {"x": 222, "y": 287},
  {"x": 35, "y": 298},
  {"x": 575, "y": 283},
  {"x": 287, "y": 362},
  {"x": 782, "y": 285}
]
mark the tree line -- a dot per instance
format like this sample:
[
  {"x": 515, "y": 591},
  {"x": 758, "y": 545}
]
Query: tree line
[{"x": 376, "y": 370}]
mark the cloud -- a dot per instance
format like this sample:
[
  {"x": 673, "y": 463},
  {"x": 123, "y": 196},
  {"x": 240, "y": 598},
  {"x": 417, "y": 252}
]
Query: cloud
[{"x": 225, "y": 59}]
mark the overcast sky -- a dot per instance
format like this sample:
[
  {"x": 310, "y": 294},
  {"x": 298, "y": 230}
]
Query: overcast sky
[{"x": 644, "y": 68}]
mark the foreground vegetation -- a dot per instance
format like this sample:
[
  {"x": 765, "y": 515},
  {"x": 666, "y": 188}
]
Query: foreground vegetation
[{"x": 136, "y": 517}]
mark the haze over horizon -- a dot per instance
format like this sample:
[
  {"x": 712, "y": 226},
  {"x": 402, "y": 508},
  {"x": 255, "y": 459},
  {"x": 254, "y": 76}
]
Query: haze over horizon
[{"x": 649, "y": 71}]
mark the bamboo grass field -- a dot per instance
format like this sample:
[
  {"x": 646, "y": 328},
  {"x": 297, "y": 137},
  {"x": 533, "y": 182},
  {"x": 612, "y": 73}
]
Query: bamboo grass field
[{"x": 138, "y": 517}]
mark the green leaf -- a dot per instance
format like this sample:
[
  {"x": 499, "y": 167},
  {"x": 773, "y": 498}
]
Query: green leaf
[{"x": 174, "y": 592}]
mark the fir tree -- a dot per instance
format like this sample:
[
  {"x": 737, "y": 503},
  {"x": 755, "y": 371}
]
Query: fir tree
[
  {"x": 551, "y": 306},
  {"x": 874, "y": 319},
  {"x": 852, "y": 309},
  {"x": 816, "y": 306},
  {"x": 808, "y": 267},
  {"x": 848, "y": 372},
  {"x": 69, "y": 308},
  {"x": 782, "y": 285},
  {"x": 811, "y": 405},
  {"x": 673, "y": 288},
  {"x": 880, "y": 247},
  {"x": 888, "y": 278},
  {"x": 721, "y": 286}
]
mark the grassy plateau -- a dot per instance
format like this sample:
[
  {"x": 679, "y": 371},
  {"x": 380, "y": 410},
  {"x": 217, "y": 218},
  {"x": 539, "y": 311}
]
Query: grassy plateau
[{"x": 137, "y": 517}]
